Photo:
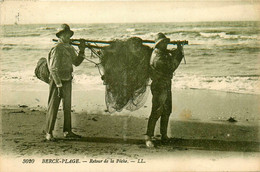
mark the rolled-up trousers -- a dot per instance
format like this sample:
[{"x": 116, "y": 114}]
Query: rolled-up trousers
[
  {"x": 54, "y": 103},
  {"x": 161, "y": 106}
]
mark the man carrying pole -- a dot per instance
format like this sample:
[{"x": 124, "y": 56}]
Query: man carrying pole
[
  {"x": 60, "y": 61},
  {"x": 163, "y": 63}
]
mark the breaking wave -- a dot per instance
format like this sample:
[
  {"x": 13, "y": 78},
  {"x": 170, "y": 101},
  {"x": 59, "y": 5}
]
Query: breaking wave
[
  {"x": 226, "y": 36},
  {"x": 248, "y": 84},
  {"x": 238, "y": 84}
]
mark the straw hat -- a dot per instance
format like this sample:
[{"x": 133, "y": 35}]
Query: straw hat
[
  {"x": 64, "y": 28},
  {"x": 160, "y": 37}
]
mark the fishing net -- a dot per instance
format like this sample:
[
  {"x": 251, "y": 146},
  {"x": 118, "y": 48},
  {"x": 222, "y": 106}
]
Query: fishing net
[{"x": 125, "y": 66}]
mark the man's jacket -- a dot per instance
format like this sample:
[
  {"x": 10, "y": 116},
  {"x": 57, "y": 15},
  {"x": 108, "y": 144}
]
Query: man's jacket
[
  {"x": 164, "y": 63},
  {"x": 61, "y": 59}
]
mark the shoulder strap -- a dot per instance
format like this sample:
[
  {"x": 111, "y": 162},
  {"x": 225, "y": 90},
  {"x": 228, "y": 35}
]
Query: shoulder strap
[{"x": 49, "y": 57}]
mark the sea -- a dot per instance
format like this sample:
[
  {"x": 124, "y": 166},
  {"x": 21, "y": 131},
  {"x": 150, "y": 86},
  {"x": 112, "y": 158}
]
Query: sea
[{"x": 221, "y": 56}]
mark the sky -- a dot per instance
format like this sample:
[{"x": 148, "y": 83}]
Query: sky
[{"x": 50, "y": 11}]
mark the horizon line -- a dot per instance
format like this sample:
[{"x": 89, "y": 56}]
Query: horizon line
[{"x": 135, "y": 22}]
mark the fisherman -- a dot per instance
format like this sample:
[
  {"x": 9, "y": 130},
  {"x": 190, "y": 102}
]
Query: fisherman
[
  {"x": 60, "y": 61},
  {"x": 163, "y": 63}
]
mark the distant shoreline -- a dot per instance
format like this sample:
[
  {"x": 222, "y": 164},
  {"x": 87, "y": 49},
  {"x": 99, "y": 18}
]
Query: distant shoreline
[{"x": 56, "y": 24}]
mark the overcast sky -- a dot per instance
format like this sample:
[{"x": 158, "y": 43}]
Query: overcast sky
[{"x": 127, "y": 11}]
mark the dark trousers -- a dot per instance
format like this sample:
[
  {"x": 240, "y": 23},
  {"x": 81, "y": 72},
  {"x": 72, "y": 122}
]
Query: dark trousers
[
  {"x": 54, "y": 103},
  {"x": 161, "y": 106}
]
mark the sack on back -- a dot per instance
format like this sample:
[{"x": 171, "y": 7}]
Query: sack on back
[{"x": 41, "y": 71}]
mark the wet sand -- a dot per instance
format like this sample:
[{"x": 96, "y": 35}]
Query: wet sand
[{"x": 199, "y": 129}]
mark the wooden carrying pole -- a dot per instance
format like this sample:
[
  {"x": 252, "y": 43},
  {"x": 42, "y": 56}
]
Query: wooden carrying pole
[
  {"x": 77, "y": 41},
  {"x": 73, "y": 42}
]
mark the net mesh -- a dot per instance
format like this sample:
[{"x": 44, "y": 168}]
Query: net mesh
[{"x": 125, "y": 66}]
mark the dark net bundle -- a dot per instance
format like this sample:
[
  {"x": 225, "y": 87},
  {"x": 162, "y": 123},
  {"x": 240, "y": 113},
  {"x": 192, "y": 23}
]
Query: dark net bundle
[{"x": 126, "y": 74}]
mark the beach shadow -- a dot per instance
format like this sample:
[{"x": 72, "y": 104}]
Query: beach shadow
[
  {"x": 182, "y": 144},
  {"x": 216, "y": 145},
  {"x": 106, "y": 140}
]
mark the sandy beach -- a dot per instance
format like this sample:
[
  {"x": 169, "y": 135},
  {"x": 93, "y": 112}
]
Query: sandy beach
[{"x": 199, "y": 128}]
